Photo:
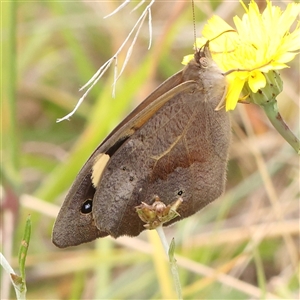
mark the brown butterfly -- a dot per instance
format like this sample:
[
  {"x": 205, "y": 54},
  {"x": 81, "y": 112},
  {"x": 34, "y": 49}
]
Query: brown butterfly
[{"x": 174, "y": 144}]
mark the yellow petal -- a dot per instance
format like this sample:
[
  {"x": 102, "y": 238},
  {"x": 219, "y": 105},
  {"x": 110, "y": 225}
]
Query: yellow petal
[
  {"x": 234, "y": 90},
  {"x": 187, "y": 59},
  {"x": 214, "y": 27},
  {"x": 256, "y": 81},
  {"x": 286, "y": 57}
]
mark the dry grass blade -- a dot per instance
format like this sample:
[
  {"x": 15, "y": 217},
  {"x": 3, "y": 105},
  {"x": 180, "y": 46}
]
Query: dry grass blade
[{"x": 98, "y": 75}]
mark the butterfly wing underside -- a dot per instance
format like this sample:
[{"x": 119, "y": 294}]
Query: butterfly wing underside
[
  {"x": 174, "y": 144},
  {"x": 179, "y": 152},
  {"x": 72, "y": 227}
]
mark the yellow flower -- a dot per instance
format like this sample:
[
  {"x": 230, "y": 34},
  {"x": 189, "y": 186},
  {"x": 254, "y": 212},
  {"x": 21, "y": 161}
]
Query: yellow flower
[{"x": 261, "y": 42}]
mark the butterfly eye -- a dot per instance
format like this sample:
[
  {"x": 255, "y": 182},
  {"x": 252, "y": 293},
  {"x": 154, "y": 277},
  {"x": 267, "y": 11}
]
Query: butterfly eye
[
  {"x": 87, "y": 206},
  {"x": 203, "y": 62}
]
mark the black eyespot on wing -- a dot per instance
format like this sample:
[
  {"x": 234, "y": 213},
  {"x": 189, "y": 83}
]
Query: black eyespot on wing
[
  {"x": 86, "y": 207},
  {"x": 180, "y": 193}
]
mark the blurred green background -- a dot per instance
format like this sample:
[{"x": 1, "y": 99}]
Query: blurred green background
[{"x": 245, "y": 245}]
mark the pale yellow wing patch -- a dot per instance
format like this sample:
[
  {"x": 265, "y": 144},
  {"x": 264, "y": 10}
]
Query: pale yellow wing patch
[{"x": 98, "y": 167}]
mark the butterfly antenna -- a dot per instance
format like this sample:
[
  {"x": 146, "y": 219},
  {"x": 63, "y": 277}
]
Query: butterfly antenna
[{"x": 194, "y": 23}]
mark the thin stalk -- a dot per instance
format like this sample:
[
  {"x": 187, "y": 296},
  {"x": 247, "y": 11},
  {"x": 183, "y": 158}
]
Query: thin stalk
[
  {"x": 271, "y": 110},
  {"x": 169, "y": 250}
]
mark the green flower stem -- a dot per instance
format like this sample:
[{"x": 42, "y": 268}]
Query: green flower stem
[
  {"x": 170, "y": 253},
  {"x": 271, "y": 110},
  {"x": 24, "y": 248},
  {"x": 18, "y": 282}
]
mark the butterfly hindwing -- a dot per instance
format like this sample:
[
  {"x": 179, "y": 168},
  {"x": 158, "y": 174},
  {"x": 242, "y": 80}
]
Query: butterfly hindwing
[{"x": 177, "y": 153}]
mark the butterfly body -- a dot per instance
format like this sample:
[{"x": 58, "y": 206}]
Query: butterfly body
[{"x": 174, "y": 144}]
